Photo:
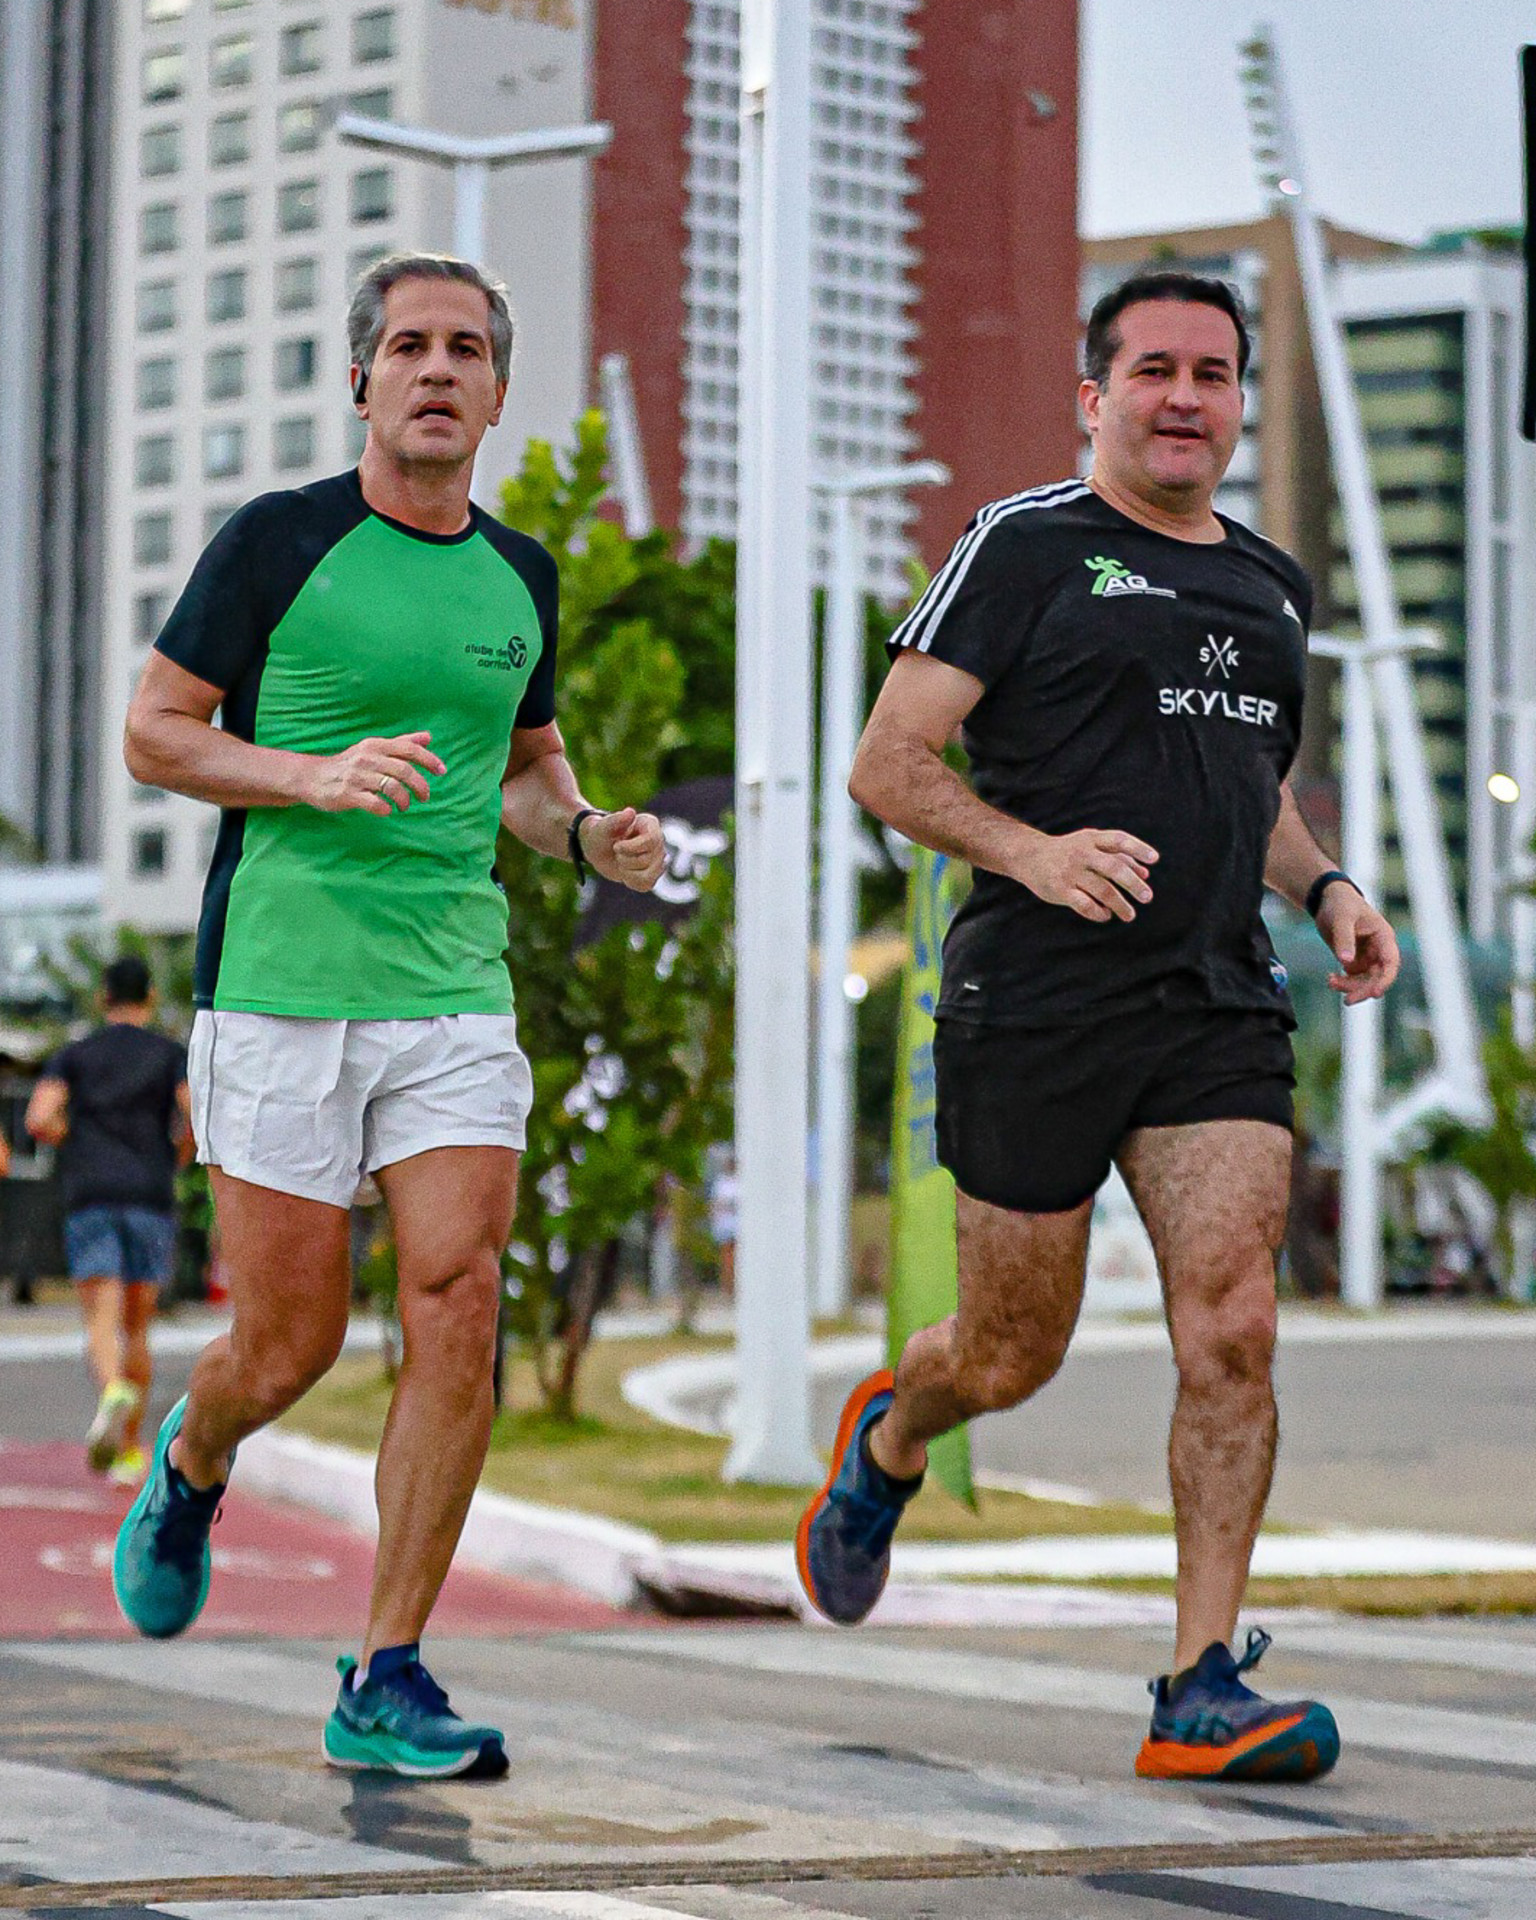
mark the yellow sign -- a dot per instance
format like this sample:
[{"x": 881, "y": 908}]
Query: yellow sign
[{"x": 542, "y": 13}]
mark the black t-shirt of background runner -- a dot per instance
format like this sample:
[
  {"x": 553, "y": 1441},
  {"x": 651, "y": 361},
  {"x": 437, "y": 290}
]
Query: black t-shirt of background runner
[
  {"x": 122, "y": 1084},
  {"x": 1132, "y": 682}
]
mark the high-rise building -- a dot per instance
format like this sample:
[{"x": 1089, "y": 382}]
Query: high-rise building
[
  {"x": 944, "y": 270},
  {"x": 54, "y": 218},
  {"x": 1434, "y": 342}
]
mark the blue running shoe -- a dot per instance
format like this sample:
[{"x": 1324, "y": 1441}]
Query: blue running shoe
[
  {"x": 843, "y": 1545},
  {"x": 399, "y": 1721},
  {"x": 161, "y": 1565},
  {"x": 1206, "y": 1725}
]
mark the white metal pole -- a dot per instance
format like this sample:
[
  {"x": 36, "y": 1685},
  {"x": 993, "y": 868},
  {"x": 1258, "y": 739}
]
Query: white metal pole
[
  {"x": 837, "y": 895},
  {"x": 626, "y": 451},
  {"x": 1522, "y": 907},
  {"x": 773, "y": 749},
  {"x": 1360, "y": 1035},
  {"x": 469, "y": 179}
]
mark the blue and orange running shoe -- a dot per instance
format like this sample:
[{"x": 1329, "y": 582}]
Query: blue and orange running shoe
[
  {"x": 1206, "y": 1725},
  {"x": 843, "y": 1545},
  {"x": 162, "y": 1562},
  {"x": 399, "y": 1721}
]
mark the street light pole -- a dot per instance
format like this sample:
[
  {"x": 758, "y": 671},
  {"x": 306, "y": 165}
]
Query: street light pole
[
  {"x": 472, "y": 160},
  {"x": 772, "y": 1441},
  {"x": 842, "y": 703}
]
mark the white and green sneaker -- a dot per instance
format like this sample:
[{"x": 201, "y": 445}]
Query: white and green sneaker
[
  {"x": 104, "y": 1440},
  {"x": 399, "y": 1721}
]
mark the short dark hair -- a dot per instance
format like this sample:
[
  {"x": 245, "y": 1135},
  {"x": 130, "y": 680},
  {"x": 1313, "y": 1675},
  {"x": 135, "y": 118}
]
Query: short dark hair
[
  {"x": 1189, "y": 289},
  {"x": 126, "y": 981}
]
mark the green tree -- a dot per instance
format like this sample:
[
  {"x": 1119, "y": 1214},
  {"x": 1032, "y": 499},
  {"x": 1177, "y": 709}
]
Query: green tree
[
  {"x": 1498, "y": 1154},
  {"x": 630, "y": 1037}
]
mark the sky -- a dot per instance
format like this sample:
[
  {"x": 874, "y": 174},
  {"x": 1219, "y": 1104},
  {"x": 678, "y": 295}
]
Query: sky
[{"x": 1408, "y": 111}]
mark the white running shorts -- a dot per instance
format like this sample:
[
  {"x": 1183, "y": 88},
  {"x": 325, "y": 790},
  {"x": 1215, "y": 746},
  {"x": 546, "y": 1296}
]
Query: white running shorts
[{"x": 309, "y": 1107}]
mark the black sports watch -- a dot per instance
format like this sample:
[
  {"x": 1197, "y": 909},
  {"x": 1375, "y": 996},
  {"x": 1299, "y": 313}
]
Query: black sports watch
[
  {"x": 1320, "y": 886},
  {"x": 573, "y": 841}
]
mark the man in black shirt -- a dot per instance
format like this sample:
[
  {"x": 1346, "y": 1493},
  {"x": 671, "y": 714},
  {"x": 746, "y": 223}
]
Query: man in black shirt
[
  {"x": 116, "y": 1106},
  {"x": 1125, "y": 668}
]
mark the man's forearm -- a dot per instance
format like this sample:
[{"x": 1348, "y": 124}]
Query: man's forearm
[
  {"x": 186, "y": 755},
  {"x": 1295, "y": 859},
  {"x": 539, "y": 802},
  {"x": 902, "y": 781}
]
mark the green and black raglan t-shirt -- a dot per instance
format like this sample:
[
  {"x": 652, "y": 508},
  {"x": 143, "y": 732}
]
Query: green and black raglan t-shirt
[
  {"x": 1131, "y": 682},
  {"x": 325, "y": 623}
]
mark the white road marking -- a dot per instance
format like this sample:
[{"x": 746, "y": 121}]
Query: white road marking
[
  {"x": 1430, "y": 1731},
  {"x": 92, "y": 1558},
  {"x": 73, "y": 1826},
  {"x": 56, "y": 1500},
  {"x": 445, "y": 1906}
]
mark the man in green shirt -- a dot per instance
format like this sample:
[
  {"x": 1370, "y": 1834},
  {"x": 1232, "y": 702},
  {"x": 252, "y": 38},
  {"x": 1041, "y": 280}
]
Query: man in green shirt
[{"x": 381, "y": 655}]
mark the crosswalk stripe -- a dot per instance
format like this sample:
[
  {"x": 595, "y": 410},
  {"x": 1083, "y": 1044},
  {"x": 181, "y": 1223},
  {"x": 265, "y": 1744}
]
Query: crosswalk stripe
[
  {"x": 1440, "y": 1732},
  {"x": 72, "y": 1826},
  {"x": 448, "y": 1906},
  {"x": 1410, "y": 1647}
]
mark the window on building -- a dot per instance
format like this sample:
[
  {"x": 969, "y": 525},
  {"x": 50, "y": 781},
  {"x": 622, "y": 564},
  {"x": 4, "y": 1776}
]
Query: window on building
[
  {"x": 297, "y": 285},
  {"x": 159, "y": 151},
  {"x": 159, "y": 228},
  {"x": 299, "y": 126},
  {"x": 226, "y": 295},
  {"x": 165, "y": 74},
  {"x": 152, "y": 539},
  {"x": 298, "y": 206},
  {"x": 223, "y": 451},
  {"x": 363, "y": 259},
  {"x": 215, "y": 518},
  {"x": 229, "y": 217},
  {"x": 150, "y": 852},
  {"x": 164, "y": 9},
  {"x": 231, "y": 61},
  {"x": 230, "y": 6},
  {"x": 378, "y": 103},
  {"x": 298, "y": 49},
  {"x": 154, "y": 461},
  {"x": 373, "y": 194},
  {"x": 373, "y": 35},
  {"x": 295, "y": 365},
  {"x": 224, "y": 374},
  {"x": 156, "y": 306},
  {"x": 149, "y": 611},
  {"x": 229, "y": 139},
  {"x": 293, "y": 443},
  {"x": 156, "y": 384}
]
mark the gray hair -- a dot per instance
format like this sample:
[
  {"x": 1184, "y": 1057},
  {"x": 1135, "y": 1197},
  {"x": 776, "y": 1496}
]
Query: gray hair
[{"x": 365, "y": 316}]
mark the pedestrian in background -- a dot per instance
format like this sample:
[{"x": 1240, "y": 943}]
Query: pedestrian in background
[{"x": 116, "y": 1106}]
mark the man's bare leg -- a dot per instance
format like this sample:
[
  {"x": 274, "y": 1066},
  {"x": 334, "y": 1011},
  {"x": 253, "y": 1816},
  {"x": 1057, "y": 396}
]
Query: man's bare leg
[
  {"x": 101, "y": 1315},
  {"x": 1021, "y": 1287},
  {"x": 290, "y": 1277},
  {"x": 452, "y": 1214},
  {"x": 1213, "y": 1197},
  {"x": 139, "y": 1301}
]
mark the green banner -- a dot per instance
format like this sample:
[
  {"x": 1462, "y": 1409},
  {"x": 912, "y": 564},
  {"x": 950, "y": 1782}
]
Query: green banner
[{"x": 924, "y": 1284}]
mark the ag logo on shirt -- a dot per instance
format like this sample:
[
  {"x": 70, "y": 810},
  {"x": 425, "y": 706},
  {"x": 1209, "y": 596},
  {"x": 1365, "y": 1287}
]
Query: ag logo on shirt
[{"x": 1115, "y": 578}]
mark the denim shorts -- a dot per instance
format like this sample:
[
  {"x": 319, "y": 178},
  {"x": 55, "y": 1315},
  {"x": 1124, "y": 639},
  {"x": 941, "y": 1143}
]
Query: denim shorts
[{"x": 133, "y": 1244}]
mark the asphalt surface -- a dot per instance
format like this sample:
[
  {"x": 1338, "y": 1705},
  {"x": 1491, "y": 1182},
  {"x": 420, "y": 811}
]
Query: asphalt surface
[{"x": 740, "y": 1771}]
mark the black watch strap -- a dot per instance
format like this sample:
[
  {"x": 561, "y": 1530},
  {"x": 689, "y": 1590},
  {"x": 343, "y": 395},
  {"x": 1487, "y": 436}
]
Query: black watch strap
[
  {"x": 1320, "y": 886},
  {"x": 573, "y": 841}
]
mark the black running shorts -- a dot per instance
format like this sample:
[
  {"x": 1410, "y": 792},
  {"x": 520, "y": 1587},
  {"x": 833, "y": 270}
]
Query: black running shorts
[{"x": 1030, "y": 1118}]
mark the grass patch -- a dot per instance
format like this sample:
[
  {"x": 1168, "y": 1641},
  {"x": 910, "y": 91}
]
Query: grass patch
[
  {"x": 1371, "y": 1596},
  {"x": 618, "y": 1462}
]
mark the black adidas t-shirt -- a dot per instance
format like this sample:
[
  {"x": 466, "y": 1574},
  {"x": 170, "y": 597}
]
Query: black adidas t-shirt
[
  {"x": 1133, "y": 682},
  {"x": 119, "y": 1151}
]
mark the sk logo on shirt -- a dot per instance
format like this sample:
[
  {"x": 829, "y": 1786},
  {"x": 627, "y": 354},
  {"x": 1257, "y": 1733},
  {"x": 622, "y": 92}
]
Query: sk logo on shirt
[
  {"x": 1218, "y": 653},
  {"x": 1113, "y": 578}
]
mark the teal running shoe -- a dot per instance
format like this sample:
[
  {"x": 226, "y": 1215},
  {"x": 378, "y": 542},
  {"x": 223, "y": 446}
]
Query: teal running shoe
[
  {"x": 399, "y": 1721},
  {"x": 1207, "y": 1725},
  {"x": 843, "y": 1543},
  {"x": 162, "y": 1563}
]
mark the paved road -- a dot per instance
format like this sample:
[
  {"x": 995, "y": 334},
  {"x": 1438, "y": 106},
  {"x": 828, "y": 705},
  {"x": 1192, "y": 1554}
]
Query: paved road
[
  {"x": 1433, "y": 1432},
  {"x": 724, "y": 1772}
]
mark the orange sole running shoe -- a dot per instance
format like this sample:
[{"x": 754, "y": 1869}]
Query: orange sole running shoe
[
  {"x": 1206, "y": 1725},
  {"x": 843, "y": 1543}
]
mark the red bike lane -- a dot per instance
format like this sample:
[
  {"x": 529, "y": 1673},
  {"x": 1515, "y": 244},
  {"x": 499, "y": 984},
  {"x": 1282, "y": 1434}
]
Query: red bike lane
[{"x": 278, "y": 1571}]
